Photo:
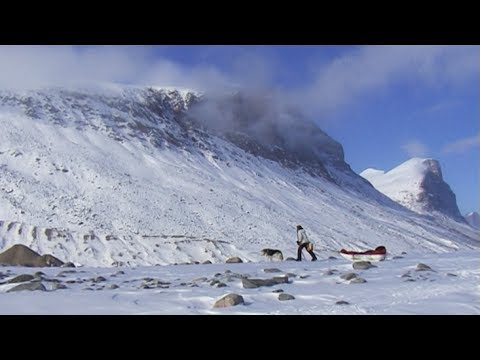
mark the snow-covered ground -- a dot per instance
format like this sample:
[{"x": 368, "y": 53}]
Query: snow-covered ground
[{"x": 393, "y": 287}]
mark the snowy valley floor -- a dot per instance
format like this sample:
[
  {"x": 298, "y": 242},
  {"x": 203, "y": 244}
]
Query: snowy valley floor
[{"x": 393, "y": 287}]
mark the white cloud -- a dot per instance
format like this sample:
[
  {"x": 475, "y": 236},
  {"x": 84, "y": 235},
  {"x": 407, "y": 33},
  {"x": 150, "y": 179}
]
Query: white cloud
[
  {"x": 372, "y": 68},
  {"x": 167, "y": 73},
  {"x": 462, "y": 145},
  {"x": 443, "y": 106},
  {"x": 37, "y": 66},
  {"x": 415, "y": 148},
  {"x": 354, "y": 73}
]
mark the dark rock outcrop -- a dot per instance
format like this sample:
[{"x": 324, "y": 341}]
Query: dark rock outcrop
[
  {"x": 21, "y": 255},
  {"x": 255, "y": 283},
  {"x": 28, "y": 286},
  {"x": 234, "y": 260},
  {"x": 284, "y": 297},
  {"x": 437, "y": 194},
  {"x": 362, "y": 265},
  {"x": 69, "y": 265},
  {"x": 21, "y": 278},
  {"x": 423, "y": 267},
  {"x": 348, "y": 276},
  {"x": 229, "y": 300}
]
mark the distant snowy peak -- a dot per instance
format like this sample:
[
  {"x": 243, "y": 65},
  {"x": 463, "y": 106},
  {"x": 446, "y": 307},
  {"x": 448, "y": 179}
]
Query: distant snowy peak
[
  {"x": 418, "y": 185},
  {"x": 473, "y": 219}
]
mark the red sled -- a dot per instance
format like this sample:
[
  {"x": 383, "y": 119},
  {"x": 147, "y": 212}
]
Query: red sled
[{"x": 379, "y": 254}]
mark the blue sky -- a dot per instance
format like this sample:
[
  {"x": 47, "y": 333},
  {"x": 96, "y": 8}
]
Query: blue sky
[{"x": 384, "y": 104}]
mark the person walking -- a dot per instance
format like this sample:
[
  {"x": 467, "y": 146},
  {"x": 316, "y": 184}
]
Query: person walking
[{"x": 304, "y": 243}]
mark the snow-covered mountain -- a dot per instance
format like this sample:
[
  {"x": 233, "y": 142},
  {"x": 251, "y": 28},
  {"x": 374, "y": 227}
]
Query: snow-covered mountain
[
  {"x": 473, "y": 219},
  {"x": 117, "y": 174},
  {"x": 418, "y": 185}
]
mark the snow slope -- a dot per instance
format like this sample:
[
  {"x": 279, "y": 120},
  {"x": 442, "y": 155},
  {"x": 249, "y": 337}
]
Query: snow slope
[{"x": 121, "y": 176}]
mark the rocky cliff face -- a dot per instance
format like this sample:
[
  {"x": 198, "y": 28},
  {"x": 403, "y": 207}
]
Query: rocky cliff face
[
  {"x": 436, "y": 194},
  {"x": 257, "y": 125}
]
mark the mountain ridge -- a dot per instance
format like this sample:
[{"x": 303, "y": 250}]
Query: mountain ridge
[{"x": 138, "y": 177}]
